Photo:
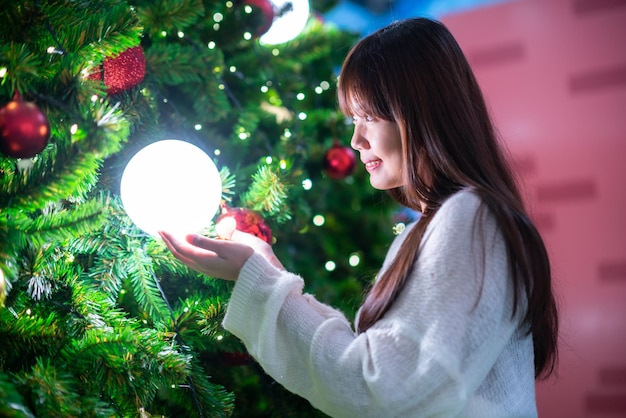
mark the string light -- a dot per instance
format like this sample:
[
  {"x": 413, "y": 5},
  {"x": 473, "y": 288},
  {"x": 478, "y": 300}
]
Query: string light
[
  {"x": 307, "y": 184},
  {"x": 3, "y": 72},
  {"x": 302, "y": 115},
  {"x": 73, "y": 129},
  {"x": 197, "y": 127},
  {"x": 319, "y": 220},
  {"x": 354, "y": 260},
  {"x": 211, "y": 45},
  {"x": 398, "y": 228},
  {"x": 181, "y": 34},
  {"x": 53, "y": 50},
  {"x": 330, "y": 266},
  {"x": 300, "y": 96}
]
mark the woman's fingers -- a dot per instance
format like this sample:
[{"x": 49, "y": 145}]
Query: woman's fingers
[
  {"x": 173, "y": 244},
  {"x": 215, "y": 258}
]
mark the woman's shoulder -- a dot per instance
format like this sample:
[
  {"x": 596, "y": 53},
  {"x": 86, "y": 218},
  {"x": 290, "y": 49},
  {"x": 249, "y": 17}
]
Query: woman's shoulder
[
  {"x": 461, "y": 206},
  {"x": 459, "y": 215},
  {"x": 466, "y": 199}
]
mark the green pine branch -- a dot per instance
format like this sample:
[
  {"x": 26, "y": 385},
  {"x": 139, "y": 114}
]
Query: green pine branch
[
  {"x": 268, "y": 194},
  {"x": 169, "y": 15},
  {"x": 60, "y": 224},
  {"x": 84, "y": 26},
  {"x": 58, "y": 392}
]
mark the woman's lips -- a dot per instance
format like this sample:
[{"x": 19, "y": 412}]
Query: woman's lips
[{"x": 372, "y": 165}]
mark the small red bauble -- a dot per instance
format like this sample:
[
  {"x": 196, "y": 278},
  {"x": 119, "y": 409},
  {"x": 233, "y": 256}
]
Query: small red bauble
[
  {"x": 123, "y": 71},
  {"x": 244, "y": 220},
  {"x": 266, "y": 7},
  {"x": 339, "y": 161},
  {"x": 24, "y": 129}
]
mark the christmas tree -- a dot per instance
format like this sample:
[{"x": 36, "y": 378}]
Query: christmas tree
[{"x": 96, "y": 317}]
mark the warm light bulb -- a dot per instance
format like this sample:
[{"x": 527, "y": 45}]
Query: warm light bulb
[
  {"x": 288, "y": 25},
  {"x": 172, "y": 186}
]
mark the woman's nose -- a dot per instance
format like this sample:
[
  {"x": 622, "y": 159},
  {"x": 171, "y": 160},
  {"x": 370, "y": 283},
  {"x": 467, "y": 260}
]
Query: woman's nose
[{"x": 358, "y": 142}]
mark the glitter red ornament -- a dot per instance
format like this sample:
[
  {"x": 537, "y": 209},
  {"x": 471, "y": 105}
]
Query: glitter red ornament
[
  {"x": 267, "y": 18},
  {"x": 123, "y": 71},
  {"x": 244, "y": 220},
  {"x": 339, "y": 161},
  {"x": 24, "y": 128}
]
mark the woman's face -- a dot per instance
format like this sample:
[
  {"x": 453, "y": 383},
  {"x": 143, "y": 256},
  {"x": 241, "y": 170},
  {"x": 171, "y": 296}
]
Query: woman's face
[{"x": 379, "y": 144}]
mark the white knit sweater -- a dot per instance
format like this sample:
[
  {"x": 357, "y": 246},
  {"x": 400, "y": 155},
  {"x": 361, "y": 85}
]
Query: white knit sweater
[{"x": 447, "y": 347}]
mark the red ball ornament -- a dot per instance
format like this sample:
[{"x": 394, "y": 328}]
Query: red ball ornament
[
  {"x": 267, "y": 15},
  {"x": 24, "y": 129},
  {"x": 339, "y": 161},
  {"x": 123, "y": 71},
  {"x": 244, "y": 220}
]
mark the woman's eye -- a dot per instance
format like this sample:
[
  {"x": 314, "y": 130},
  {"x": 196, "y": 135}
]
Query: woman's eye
[{"x": 366, "y": 118}]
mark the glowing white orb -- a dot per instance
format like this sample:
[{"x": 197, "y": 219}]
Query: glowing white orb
[
  {"x": 172, "y": 186},
  {"x": 288, "y": 25}
]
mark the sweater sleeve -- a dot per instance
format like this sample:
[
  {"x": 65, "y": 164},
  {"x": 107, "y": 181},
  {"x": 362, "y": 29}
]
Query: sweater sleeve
[{"x": 429, "y": 353}]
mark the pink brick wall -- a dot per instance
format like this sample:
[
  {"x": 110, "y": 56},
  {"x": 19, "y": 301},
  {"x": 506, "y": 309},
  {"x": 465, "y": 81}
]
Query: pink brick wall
[{"x": 554, "y": 75}]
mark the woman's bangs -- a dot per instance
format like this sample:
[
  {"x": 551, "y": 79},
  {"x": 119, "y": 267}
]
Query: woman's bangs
[
  {"x": 357, "y": 100},
  {"x": 361, "y": 85},
  {"x": 347, "y": 95}
]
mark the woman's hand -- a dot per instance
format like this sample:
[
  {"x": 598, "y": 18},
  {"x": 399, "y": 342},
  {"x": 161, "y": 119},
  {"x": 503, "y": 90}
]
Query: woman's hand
[
  {"x": 217, "y": 257},
  {"x": 213, "y": 257}
]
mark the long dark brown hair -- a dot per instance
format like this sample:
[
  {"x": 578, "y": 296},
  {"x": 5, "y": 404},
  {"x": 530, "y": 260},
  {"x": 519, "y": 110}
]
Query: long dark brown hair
[{"x": 414, "y": 73}]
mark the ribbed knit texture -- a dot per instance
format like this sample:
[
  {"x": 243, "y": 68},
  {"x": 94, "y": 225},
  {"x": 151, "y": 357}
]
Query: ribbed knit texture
[{"x": 447, "y": 348}]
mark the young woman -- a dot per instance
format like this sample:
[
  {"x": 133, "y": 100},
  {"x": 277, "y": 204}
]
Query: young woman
[{"x": 462, "y": 318}]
